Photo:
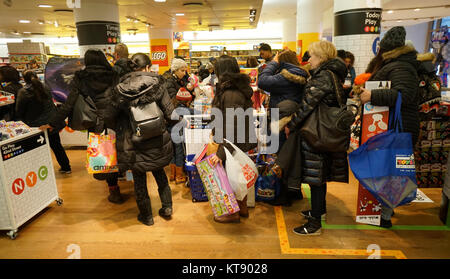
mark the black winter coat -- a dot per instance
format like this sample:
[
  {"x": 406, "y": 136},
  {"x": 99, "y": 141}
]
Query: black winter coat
[
  {"x": 34, "y": 112},
  {"x": 8, "y": 112},
  {"x": 284, "y": 81},
  {"x": 96, "y": 82},
  {"x": 173, "y": 84},
  {"x": 318, "y": 168},
  {"x": 234, "y": 91},
  {"x": 140, "y": 88},
  {"x": 122, "y": 67},
  {"x": 400, "y": 67}
]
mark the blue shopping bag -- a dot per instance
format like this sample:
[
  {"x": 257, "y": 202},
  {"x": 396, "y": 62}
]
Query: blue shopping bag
[
  {"x": 267, "y": 186},
  {"x": 384, "y": 164}
]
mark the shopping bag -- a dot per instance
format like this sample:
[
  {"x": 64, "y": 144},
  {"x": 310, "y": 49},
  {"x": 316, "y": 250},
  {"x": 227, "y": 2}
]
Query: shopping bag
[
  {"x": 101, "y": 153},
  {"x": 267, "y": 185},
  {"x": 217, "y": 187},
  {"x": 241, "y": 171},
  {"x": 384, "y": 164}
]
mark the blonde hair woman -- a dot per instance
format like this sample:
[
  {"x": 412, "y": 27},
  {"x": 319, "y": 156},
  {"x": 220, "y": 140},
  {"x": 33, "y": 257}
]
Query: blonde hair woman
[{"x": 317, "y": 167}]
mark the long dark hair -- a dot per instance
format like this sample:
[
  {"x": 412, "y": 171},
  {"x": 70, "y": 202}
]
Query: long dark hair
[
  {"x": 31, "y": 78},
  {"x": 96, "y": 57},
  {"x": 140, "y": 61},
  {"x": 9, "y": 74},
  {"x": 226, "y": 64},
  {"x": 376, "y": 63}
]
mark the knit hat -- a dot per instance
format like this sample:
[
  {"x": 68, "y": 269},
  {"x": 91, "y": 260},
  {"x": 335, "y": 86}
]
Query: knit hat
[
  {"x": 183, "y": 95},
  {"x": 394, "y": 38}
]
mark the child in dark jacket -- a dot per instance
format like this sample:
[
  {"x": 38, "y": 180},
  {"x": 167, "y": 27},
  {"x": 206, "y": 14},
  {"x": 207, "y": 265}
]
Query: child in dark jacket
[{"x": 183, "y": 99}]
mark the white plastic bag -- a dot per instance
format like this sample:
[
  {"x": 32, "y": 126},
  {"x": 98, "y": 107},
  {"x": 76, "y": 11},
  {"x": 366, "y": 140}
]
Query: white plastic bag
[{"x": 241, "y": 171}]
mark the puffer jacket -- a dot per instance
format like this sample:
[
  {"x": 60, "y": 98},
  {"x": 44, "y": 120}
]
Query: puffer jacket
[
  {"x": 122, "y": 67},
  {"x": 141, "y": 88},
  {"x": 234, "y": 91},
  {"x": 174, "y": 84},
  {"x": 318, "y": 168},
  {"x": 9, "y": 112},
  {"x": 400, "y": 67},
  {"x": 96, "y": 82},
  {"x": 33, "y": 112},
  {"x": 284, "y": 81}
]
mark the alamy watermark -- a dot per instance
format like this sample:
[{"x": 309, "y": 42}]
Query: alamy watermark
[{"x": 239, "y": 127}]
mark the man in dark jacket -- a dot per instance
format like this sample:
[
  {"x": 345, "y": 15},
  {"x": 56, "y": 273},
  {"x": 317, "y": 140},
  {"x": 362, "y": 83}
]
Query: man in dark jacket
[
  {"x": 11, "y": 77},
  {"x": 122, "y": 64}
]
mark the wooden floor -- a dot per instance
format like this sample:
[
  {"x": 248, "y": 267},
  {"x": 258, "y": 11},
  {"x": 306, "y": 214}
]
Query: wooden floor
[{"x": 104, "y": 230}]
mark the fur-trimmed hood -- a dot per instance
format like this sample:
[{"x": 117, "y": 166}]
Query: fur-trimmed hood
[
  {"x": 426, "y": 57},
  {"x": 396, "y": 53},
  {"x": 299, "y": 76}
]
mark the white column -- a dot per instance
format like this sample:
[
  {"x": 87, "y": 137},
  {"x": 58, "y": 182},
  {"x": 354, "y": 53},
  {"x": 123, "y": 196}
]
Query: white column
[
  {"x": 309, "y": 26},
  {"x": 97, "y": 25},
  {"x": 357, "y": 29},
  {"x": 290, "y": 33}
]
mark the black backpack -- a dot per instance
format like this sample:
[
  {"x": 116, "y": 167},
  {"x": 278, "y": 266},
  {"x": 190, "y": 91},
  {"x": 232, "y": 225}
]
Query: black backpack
[{"x": 147, "y": 122}]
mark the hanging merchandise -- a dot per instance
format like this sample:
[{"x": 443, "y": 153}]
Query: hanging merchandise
[
  {"x": 218, "y": 189},
  {"x": 101, "y": 153},
  {"x": 385, "y": 164}
]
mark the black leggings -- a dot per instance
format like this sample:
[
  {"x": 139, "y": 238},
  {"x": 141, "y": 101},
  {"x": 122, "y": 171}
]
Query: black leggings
[
  {"x": 140, "y": 187},
  {"x": 318, "y": 200}
]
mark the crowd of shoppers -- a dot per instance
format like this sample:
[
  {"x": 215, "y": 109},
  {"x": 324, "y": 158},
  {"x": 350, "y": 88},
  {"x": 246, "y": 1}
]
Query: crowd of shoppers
[{"x": 303, "y": 85}]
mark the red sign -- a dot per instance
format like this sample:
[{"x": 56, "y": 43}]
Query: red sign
[
  {"x": 18, "y": 186},
  {"x": 160, "y": 55}
]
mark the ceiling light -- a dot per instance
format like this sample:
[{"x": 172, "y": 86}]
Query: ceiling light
[
  {"x": 27, "y": 32},
  {"x": 416, "y": 10},
  {"x": 24, "y": 21},
  {"x": 179, "y": 14},
  {"x": 399, "y": 21},
  {"x": 45, "y": 6},
  {"x": 41, "y": 22},
  {"x": 160, "y": 0},
  {"x": 390, "y": 12},
  {"x": 56, "y": 24}
]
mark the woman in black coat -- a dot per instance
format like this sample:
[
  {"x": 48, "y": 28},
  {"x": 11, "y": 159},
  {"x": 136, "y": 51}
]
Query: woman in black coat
[
  {"x": 397, "y": 63},
  {"x": 139, "y": 88},
  {"x": 317, "y": 167},
  {"x": 233, "y": 92},
  {"x": 96, "y": 81},
  {"x": 11, "y": 78},
  {"x": 34, "y": 106}
]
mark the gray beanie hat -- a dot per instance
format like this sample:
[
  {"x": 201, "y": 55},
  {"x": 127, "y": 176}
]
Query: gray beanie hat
[{"x": 394, "y": 38}]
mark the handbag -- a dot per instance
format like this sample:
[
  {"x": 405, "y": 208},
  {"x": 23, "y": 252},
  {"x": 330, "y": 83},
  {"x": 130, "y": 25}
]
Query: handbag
[
  {"x": 84, "y": 115},
  {"x": 146, "y": 122},
  {"x": 327, "y": 129},
  {"x": 385, "y": 166},
  {"x": 267, "y": 185}
]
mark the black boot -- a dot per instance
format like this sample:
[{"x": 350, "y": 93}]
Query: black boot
[
  {"x": 114, "y": 195},
  {"x": 145, "y": 212}
]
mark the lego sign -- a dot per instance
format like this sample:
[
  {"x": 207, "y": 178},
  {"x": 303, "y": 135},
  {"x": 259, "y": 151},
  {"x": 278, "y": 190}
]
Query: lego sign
[{"x": 160, "y": 55}]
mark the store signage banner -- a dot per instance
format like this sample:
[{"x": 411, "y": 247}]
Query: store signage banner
[
  {"x": 14, "y": 149},
  {"x": 59, "y": 73},
  {"x": 98, "y": 33},
  {"x": 159, "y": 55},
  {"x": 357, "y": 22}
]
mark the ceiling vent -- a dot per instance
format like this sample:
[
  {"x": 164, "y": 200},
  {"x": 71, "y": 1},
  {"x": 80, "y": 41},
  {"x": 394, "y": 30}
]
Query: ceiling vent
[{"x": 63, "y": 11}]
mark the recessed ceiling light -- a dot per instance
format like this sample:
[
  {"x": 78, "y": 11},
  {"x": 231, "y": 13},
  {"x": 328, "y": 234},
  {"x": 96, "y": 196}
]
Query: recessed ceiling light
[
  {"x": 390, "y": 11},
  {"x": 56, "y": 24},
  {"x": 179, "y": 14},
  {"x": 399, "y": 21},
  {"x": 24, "y": 21},
  {"x": 45, "y": 6},
  {"x": 416, "y": 10},
  {"x": 27, "y": 32},
  {"x": 160, "y": 1}
]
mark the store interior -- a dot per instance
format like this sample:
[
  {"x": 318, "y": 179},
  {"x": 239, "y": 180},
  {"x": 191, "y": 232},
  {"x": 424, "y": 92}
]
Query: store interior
[{"x": 80, "y": 222}]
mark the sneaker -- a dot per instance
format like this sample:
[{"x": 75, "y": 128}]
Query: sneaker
[
  {"x": 165, "y": 212},
  {"x": 146, "y": 220},
  {"x": 312, "y": 227},
  {"x": 65, "y": 171},
  {"x": 307, "y": 215},
  {"x": 385, "y": 223}
]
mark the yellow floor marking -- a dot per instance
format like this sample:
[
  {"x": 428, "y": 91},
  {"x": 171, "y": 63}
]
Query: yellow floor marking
[{"x": 286, "y": 248}]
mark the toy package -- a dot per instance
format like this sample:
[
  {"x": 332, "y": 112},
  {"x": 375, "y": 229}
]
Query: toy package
[{"x": 12, "y": 129}]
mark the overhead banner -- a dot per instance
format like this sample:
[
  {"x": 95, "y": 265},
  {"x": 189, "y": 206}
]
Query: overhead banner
[
  {"x": 98, "y": 33},
  {"x": 357, "y": 22}
]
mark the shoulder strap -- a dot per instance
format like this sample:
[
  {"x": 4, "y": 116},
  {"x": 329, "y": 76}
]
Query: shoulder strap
[{"x": 338, "y": 89}]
